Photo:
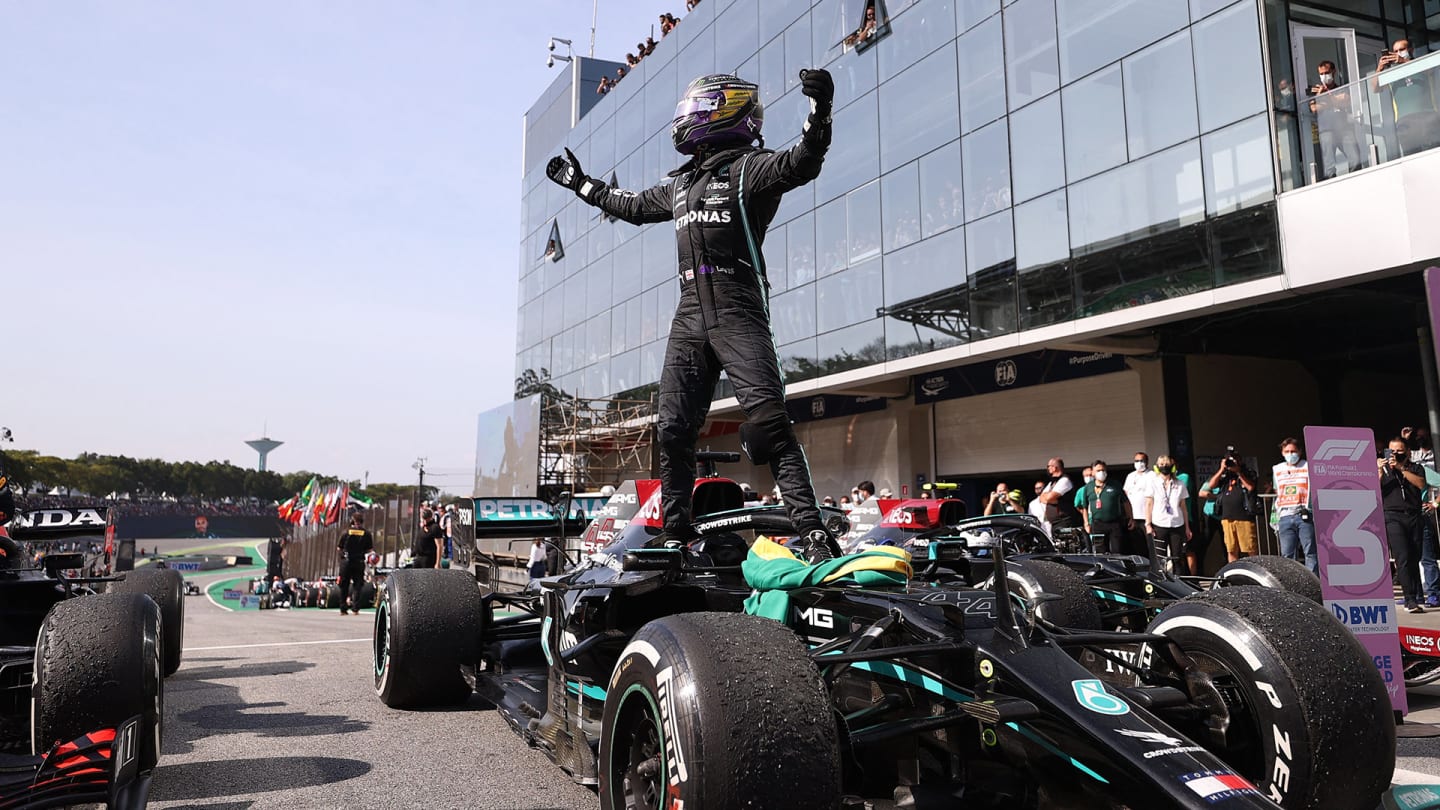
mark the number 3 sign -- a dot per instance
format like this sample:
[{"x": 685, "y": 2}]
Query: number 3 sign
[{"x": 1354, "y": 555}]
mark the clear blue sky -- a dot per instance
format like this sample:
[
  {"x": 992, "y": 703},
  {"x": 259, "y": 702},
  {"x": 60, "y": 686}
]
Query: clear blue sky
[{"x": 219, "y": 215}]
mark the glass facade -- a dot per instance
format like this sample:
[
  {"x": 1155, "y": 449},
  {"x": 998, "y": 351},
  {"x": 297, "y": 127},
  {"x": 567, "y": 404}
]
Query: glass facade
[{"x": 996, "y": 167}]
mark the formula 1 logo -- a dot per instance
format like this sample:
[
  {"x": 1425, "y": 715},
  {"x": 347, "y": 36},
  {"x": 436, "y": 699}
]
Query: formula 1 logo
[{"x": 1340, "y": 448}]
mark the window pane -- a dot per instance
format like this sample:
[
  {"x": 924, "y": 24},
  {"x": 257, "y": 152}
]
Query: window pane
[
  {"x": 900, "y": 204},
  {"x": 917, "y": 110},
  {"x": 942, "y": 203},
  {"x": 1247, "y": 244},
  {"x": 649, "y": 320},
  {"x": 969, "y": 13},
  {"x": 1098, "y": 32},
  {"x": 597, "y": 287},
  {"x": 800, "y": 251},
  {"x": 863, "y": 213},
  {"x": 1227, "y": 58},
  {"x": 987, "y": 170},
  {"x": 982, "y": 75},
  {"x": 915, "y": 33},
  {"x": 625, "y": 372},
  {"x": 1161, "y": 192},
  {"x": 629, "y": 278},
  {"x": 797, "y": 55},
  {"x": 772, "y": 71},
  {"x": 854, "y": 155},
  {"x": 831, "y": 238},
  {"x": 1094, "y": 124},
  {"x": 1031, "y": 69},
  {"x": 792, "y": 314},
  {"x": 848, "y": 297},
  {"x": 1238, "y": 172},
  {"x": 797, "y": 361},
  {"x": 658, "y": 252},
  {"x": 907, "y": 339},
  {"x": 1037, "y": 143},
  {"x": 859, "y": 346},
  {"x": 774, "y": 252},
  {"x": 990, "y": 260},
  {"x": 1202, "y": 8},
  {"x": 784, "y": 121},
  {"x": 925, "y": 267},
  {"x": 776, "y": 14},
  {"x": 1159, "y": 93},
  {"x": 736, "y": 35},
  {"x": 1042, "y": 250},
  {"x": 697, "y": 58}
]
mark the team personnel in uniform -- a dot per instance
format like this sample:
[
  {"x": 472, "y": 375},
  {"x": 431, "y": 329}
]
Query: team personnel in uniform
[
  {"x": 1292, "y": 504},
  {"x": 353, "y": 546},
  {"x": 722, "y": 200},
  {"x": 1167, "y": 514},
  {"x": 1106, "y": 512}
]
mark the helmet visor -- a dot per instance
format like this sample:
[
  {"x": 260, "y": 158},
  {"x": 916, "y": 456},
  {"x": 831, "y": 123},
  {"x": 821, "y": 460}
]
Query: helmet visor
[{"x": 700, "y": 107}]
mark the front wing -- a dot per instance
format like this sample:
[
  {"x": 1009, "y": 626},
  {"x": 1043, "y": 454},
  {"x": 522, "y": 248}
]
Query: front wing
[{"x": 100, "y": 767}]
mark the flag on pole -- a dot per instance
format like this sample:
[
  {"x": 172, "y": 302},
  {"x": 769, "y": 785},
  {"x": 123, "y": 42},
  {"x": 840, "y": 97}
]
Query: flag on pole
[{"x": 358, "y": 500}]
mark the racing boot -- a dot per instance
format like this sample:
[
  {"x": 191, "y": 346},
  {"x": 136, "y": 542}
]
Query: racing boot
[{"x": 820, "y": 546}]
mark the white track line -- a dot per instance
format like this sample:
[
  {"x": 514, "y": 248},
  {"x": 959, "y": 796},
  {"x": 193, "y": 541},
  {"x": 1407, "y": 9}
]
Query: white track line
[
  {"x": 1404, "y": 777},
  {"x": 279, "y": 644}
]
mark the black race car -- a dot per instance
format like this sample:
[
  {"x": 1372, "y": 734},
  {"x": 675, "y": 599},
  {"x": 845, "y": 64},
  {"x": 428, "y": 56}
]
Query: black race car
[
  {"x": 640, "y": 672},
  {"x": 81, "y": 670}
]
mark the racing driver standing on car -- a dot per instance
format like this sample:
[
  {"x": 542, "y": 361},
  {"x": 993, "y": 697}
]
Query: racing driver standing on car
[{"x": 722, "y": 200}]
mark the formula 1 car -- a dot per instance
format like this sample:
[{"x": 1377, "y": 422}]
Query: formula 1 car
[
  {"x": 81, "y": 671},
  {"x": 641, "y": 672}
]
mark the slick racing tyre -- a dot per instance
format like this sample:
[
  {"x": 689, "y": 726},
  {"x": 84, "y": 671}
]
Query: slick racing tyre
[
  {"x": 427, "y": 633},
  {"x": 1074, "y": 609},
  {"x": 1271, "y": 571},
  {"x": 717, "y": 710},
  {"x": 266, "y": 601},
  {"x": 331, "y": 596},
  {"x": 367, "y": 596},
  {"x": 167, "y": 588},
  {"x": 98, "y": 663},
  {"x": 1298, "y": 706}
]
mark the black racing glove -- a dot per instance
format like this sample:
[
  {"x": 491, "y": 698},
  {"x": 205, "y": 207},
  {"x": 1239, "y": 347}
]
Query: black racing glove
[
  {"x": 820, "y": 88},
  {"x": 566, "y": 171}
]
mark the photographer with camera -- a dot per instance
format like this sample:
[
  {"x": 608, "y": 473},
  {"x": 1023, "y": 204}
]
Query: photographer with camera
[
  {"x": 1402, "y": 483},
  {"x": 1292, "y": 506},
  {"x": 1232, "y": 488},
  {"x": 1004, "y": 501}
]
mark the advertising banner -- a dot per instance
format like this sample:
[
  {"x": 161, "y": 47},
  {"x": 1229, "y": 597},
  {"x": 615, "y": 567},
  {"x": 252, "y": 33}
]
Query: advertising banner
[
  {"x": 829, "y": 406},
  {"x": 1354, "y": 555},
  {"x": 1021, "y": 371},
  {"x": 199, "y": 526}
]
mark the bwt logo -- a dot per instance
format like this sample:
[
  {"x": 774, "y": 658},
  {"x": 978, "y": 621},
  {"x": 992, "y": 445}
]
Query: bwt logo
[
  {"x": 1006, "y": 373},
  {"x": 1340, "y": 448}
]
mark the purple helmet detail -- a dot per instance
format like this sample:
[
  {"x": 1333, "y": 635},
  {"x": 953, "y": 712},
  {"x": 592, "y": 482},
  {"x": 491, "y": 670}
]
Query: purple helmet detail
[{"x": 717, "y": 111}]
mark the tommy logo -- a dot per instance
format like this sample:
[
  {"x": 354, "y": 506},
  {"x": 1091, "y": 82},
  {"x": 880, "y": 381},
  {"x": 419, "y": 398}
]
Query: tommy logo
[{"x": 1340, "y": 448}]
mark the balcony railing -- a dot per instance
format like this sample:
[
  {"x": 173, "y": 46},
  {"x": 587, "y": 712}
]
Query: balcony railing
[{"x": 1377, "y": 119}]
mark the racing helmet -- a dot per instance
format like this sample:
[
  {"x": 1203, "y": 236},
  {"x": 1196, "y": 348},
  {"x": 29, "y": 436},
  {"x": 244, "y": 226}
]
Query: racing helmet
[{"x": 717, "y": 111}]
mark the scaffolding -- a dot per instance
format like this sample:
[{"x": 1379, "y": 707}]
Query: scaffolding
[{"x": 588, "y": 443}]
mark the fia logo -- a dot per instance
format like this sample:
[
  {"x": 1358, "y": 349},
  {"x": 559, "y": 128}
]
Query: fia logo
[
  {"x": 1005, "y": 373},
  {"x": 817, "y": 407}
]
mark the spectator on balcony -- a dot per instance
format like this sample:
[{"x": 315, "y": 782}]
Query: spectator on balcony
[
  {"x": 601, "y": 89},
  {"x": 1334, "y": 114},
  {"x": 690, "y": 5},
  {"x": 1417, "y": 124},
  {"x": 619, "y": 74},
  {"x": 667, "y": 24},
  {"x": 649, "y": 47},
  {"x": 866, "y": 29},
  {"x": 631, "y": 60}
]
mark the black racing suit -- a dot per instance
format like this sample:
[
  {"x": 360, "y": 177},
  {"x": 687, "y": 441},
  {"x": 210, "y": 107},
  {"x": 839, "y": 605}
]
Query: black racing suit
[
  {"x": 721, "y": 205},
  {"x": 355, "y": 545}
]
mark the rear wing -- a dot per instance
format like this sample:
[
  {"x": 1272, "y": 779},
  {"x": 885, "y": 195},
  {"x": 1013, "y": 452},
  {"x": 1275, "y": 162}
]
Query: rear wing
[{"x": 41, "y": 525}]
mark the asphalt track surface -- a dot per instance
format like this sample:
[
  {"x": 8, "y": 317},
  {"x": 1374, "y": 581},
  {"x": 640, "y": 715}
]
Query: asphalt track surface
[{"x": 276, "y": 709}]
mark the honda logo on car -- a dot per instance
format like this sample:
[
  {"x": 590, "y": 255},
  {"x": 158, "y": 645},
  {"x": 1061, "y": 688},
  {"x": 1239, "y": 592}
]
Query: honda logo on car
[{"x": 60, "y": 518}]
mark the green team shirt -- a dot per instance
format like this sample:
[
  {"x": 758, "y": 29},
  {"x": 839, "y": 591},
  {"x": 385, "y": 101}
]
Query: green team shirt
[{"x": 1104, "y": 505}]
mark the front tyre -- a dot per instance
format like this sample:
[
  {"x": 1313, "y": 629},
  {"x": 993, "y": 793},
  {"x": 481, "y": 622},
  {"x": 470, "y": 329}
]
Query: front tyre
[
  {"x": 717, "y": 710},
  {"x": 1068, "y": 602},
  {"x": 1270, "y": 571},
  {"x": 1298, "y": 706},
  {"x": 427, "y": 631},
  {"x": 167, "y": 588}
]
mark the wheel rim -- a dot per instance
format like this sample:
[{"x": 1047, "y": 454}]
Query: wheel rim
[
  {"x": 382, "y": 638},
  {"x": 1233, "y": 725},
  {"x": 637, "y": 753}
]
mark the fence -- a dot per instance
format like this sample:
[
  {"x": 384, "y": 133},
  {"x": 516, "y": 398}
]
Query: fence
[{"x": 310, "y": 553}]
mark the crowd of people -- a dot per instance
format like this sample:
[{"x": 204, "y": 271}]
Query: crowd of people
[
  {"x": 643, "y": 49},
  {"x": 149, "y": 507}
]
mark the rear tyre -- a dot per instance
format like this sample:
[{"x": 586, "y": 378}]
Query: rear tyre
[
  {"x": 1305, "y": 713},
  {"x": 427, "y": 632},
  {"x": 167, "y": 588},
  {"x": 1075, "y": 609},
  {"x": 332, "y": 596},
  {"x": 684, "y": 721},
  {"x": 98, "y": 663},
  {"x": 366, "y": 597},
  {"x": 1271, "y": 571}
]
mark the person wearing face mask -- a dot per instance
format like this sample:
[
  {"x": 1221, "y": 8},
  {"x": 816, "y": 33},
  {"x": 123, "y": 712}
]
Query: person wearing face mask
[
  {"x": 1292, "y": 505},
  {"x": 1417, "y": 124},
  {"x": 1089, "y": 475},
  {"x": 1232, "y": 488},
  {"x": 1335, "y": 120},
  {"x": 1402, "y": 488},
  {"x": 1137, "y": 488},
  {"x": 1106, "y": 510},
  {"x": 1167, "y": 512}
]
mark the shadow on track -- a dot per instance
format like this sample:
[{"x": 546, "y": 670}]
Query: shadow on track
[{"x": 199, "y": 781}]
